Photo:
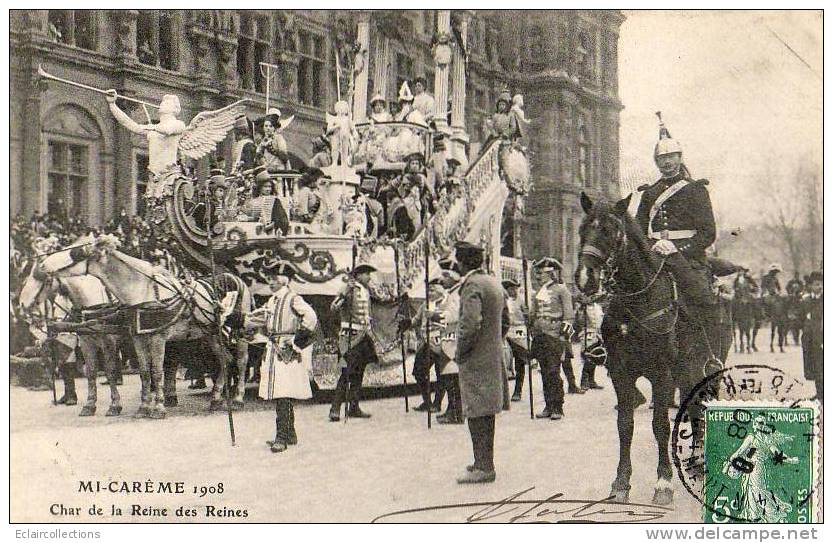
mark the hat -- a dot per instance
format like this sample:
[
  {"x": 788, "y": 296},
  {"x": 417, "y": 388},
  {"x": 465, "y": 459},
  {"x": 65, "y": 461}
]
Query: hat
[
  {"x": 415, "y": 156},
  {"x": 507, "y": 283},
  {"x": 273, "y": 111},
  {"x": 420, "y": 79},
  {"x": 464, "y": 247},
  {"x": 405, "y": 94},
  {"x": 310, "y": 176},
  {"x": 437, "y": 281},
  {"x": 362, "y": 268},
  {"x": 816, "y": 276},
  {"x": 283, "y": 268},
  {"x": 775, "y": 267},
  {"x": 242, "y": 123},
  {"x": 261, "y": 175},
  {"x": 548, "y": 263},
  {"x": 377, "y": 98},
  {"x": 216, "y": 181},
  {"x": 666, "y": 144},
  {"x": 504, "y": 96}
]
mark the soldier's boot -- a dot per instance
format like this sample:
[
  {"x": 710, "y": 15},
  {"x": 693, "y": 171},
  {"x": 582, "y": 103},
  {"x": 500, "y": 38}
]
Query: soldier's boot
[
  {"x": 572, "y": 387},
  {"x": 439, "y": 394},
  {"x": 424, "y": 385},
  {"x": 339, "y": 395}
]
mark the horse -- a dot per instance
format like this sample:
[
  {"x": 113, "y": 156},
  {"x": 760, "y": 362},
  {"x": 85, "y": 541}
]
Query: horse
[
  {"x": 745, "y": 312},
  {"x": 160, "y": 309},
  {"x": 775, "y": 307},
  {"x": 85, "y": 293},
  {"x": 643, "y": 331},
  {"x": 794, "y": 323}
]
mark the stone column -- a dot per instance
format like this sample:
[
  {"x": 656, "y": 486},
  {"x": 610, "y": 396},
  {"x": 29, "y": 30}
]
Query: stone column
[
  {"x": 458, "y": 86},
  {"x": 380, "y": 67},
  {"x": 361, "y": 60},
  {"x": 442, "y": 57}
]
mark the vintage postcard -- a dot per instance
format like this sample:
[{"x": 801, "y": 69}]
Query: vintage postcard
[{"x": 441, "y": 265}]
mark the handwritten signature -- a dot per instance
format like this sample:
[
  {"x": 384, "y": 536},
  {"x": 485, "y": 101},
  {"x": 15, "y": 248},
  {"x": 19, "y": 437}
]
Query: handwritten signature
[{"x": 519, "y": 508}]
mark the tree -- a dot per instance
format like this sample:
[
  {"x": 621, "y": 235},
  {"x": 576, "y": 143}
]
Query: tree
[{"x": 794, "y": 211}]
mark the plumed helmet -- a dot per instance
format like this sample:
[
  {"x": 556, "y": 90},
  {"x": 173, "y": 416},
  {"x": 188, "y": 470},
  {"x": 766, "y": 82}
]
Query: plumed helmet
[{"x": 666, "y": 145}]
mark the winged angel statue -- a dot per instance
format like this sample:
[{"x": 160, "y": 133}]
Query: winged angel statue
[{"x": 170, "y": 136}]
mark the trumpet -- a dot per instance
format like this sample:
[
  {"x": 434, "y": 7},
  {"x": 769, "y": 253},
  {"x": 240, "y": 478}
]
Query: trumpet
[{"x": 46, "y": 75}]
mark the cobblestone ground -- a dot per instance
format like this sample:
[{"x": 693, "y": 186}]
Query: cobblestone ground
[{"x": 339, "y": 472}]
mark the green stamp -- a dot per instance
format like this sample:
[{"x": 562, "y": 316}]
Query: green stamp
[{"x": 761, "y": 463}]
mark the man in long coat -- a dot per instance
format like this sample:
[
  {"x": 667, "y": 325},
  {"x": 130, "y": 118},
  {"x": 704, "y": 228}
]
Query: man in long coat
[
  {"x": 812, "y": 341},
  {"x": 484, "y": 386},
  {"x": 290, "y": 323}
]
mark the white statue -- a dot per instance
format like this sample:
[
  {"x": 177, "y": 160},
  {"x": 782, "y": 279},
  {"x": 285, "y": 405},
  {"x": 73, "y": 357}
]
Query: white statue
[
  {"x": 342, "y": 134},
  {"x": 170, "y": 136}
]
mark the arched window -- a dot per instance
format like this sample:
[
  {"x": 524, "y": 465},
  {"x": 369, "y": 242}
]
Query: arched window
[
  {"x": 70, "y": 163},
  {"x": 583, "y": 151}
]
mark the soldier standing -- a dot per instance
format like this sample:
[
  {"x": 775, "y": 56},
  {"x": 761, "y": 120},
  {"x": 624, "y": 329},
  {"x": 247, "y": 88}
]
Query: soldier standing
[
  {"x": 355, "y": 343},
  {"x": 552, "y": 307},
  {"x": 517, "y": 334},
  {"x": 430, "y": 353},
  {"x": 290, "y": 325},
  {"x": 483, "y": 384}
]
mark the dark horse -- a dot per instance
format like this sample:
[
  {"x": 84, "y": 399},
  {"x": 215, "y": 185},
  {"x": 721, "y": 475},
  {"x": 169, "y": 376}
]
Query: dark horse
[
  {"x": 745, "y": 312},
  {"x": 644, "y": 332},
  {"x": 775, "y": 307}
]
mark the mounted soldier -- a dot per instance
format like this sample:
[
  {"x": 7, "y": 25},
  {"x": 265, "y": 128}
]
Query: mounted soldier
[
  {"x": 770, "y": 285},
  {"x": 676, "y": 215}
]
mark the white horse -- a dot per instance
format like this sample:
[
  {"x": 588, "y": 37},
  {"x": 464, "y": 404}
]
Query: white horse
[
  {"x": 160, "y": 309},
  {"x": 84, "y": 292}
]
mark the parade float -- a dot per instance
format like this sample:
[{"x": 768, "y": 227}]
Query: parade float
[{"x": 366, "y": 154}]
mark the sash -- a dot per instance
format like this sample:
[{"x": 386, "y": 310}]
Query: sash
[{"x": 666, "y": 194}]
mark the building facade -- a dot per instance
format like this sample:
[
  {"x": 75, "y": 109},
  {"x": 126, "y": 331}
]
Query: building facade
[{"x": 68, "y": 155}]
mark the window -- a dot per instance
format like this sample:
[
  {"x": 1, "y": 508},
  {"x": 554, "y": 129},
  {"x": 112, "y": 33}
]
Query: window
[
  {"x": 428, "y": 22},
  {"x": 76, "y": 27},
  {"x": 68, "y": 172},
  {"x": 585, "y": 54},
  {"x": 310, "y": 69},
  {"x": 156, "y": 39},
  {"x": 405, "y": 71},
  {"x": 583, "y": 152},
  {"x": 142, "y": 172},
  {"x": 252, "y": 49}
]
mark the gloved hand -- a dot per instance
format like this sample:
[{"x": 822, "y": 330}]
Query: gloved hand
[{"x": 664, "y": 247}]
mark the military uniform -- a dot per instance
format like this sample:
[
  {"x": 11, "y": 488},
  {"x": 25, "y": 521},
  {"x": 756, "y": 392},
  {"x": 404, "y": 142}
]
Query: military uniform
[
  {"x": 517, "y": 337},
  {"x": 679, "y": 209},
  {"x": 552, "y": 306},
  {"x": 355, "y": 345},
  {"x": 430, "y": 352}
]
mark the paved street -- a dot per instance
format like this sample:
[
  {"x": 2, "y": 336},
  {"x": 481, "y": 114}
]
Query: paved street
[{"x": 338, "y": 472}]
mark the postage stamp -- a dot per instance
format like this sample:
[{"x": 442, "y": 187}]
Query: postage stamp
[{"x": 761, "y": 463}]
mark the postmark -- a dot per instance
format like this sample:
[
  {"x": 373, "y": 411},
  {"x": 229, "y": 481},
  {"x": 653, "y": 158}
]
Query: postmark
[
  {"x": 760, "y": 463},
  {"x": 754, "y": 384}
]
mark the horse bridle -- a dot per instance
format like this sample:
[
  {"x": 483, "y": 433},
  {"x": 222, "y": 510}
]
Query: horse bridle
[{"x": 609, "y": 262}]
